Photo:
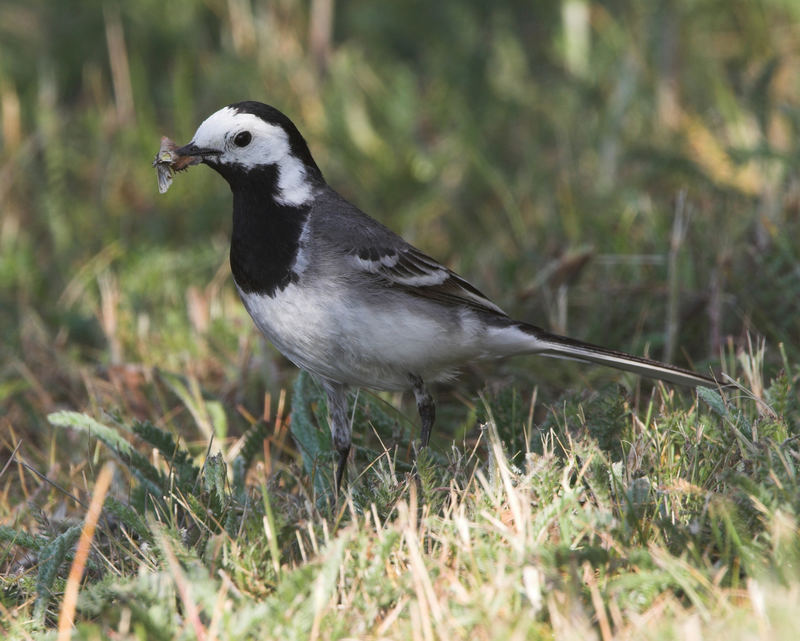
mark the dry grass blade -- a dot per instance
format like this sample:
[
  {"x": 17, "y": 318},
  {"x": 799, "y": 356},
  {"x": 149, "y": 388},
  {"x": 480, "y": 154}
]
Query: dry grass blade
[{"x": 67, "y": 615}]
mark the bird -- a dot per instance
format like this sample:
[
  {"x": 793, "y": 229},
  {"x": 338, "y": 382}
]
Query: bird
[{"x": 344, "y": 297}]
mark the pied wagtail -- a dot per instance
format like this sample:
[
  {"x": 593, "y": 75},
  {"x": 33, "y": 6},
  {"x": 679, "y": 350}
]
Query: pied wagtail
[{"x": 342, "y": 296}]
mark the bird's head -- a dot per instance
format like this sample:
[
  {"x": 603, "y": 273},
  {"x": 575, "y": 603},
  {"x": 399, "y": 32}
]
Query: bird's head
[{"x": 250, "y": 143}]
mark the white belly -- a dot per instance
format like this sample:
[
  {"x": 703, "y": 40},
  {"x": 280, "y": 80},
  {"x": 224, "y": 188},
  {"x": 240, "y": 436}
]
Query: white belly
[{"x": 370, "y": 344}]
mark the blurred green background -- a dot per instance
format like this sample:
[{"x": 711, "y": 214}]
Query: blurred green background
[{"x": 624, "y": 171}]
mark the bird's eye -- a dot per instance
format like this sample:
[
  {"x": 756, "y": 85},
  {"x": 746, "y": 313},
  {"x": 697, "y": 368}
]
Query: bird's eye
[{"x": 242, "y": 139}]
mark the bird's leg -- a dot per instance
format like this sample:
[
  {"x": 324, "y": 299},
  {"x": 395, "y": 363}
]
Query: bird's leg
[
  {"x": 341, "y": 466},
  {"x": 340, "y": 426},
  {"x": 426, "y": 408}
]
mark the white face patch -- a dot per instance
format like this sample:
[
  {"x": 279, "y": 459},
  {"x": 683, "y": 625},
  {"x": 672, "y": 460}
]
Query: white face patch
[{"x": 268, "y": 145}]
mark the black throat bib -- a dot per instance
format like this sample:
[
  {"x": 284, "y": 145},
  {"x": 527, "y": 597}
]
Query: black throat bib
[{"x": 266, "y": 234}]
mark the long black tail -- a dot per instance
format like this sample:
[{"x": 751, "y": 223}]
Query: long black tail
[{"x": 557, "y": 346}]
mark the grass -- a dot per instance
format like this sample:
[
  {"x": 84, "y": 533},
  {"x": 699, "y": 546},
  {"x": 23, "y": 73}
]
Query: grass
[
  {"x": 692, "y": 531},
  {"x": 642, "y": 195}
]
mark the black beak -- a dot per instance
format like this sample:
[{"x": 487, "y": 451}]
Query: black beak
[{"x": 192, "y": 154}]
